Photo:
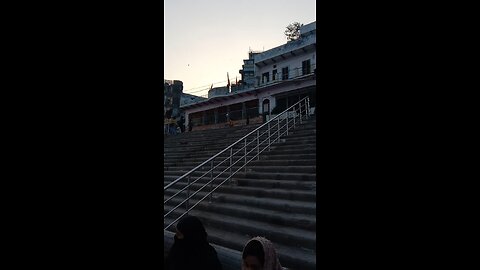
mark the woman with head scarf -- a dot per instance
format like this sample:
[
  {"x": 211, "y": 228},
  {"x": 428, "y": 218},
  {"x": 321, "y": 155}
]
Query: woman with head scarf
[
  {"x": 259, "y": 254},
  {"x": 191, "y": 249}
]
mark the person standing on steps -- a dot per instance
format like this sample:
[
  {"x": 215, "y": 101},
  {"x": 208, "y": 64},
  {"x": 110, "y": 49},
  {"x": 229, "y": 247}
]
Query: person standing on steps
[
  {"x": 182, "y": 124},
  {"x": 191, "y": 249},
  {"x": 259, "y": 253},
  {"x": 190, "y": 125}
]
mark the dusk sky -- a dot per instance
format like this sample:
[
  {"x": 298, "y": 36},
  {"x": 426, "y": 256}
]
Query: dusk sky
[{"x": 203, "y": 40}]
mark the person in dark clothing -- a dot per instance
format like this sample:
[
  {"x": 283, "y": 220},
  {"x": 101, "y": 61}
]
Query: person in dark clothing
[
  {"x": 248, "y": 119},
  {"x": 191, "y": 249},
  {"x": 190, "y": 125},
  {"x": 182, "y": 124}
]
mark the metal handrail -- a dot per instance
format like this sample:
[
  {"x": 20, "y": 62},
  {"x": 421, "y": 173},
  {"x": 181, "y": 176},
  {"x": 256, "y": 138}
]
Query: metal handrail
[{"x": 272, "y": 126}]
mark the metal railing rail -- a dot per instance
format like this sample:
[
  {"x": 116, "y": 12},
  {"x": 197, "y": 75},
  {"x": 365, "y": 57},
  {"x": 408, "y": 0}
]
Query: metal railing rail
[{"x": 275, "y": 128}]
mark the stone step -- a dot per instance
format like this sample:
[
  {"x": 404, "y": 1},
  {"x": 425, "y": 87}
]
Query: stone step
[
  {"x": 250, "y": 167},
  {"x": 186, "y": 147},
  {"x": 199, "y": 158},
  {"x": 281, "y": 234},
  {"x": 278, "y": 204},
  {"x": 201, "y": 140},
  {"x": 292, "y": 257},
  {"x": 280, "y": 184},
  {"x": 290, "y": 147},
  {"x": 209, "y": 141},
  {"x": 195, "y": 154},
  {"x": 287, "y": 194},
  {"x": 281, "y": 169},
  {"x": 299, "y": 151},
  {"x": 267, "y": 162},
  {"x": 218, "y": 130},
  {"x": 296, "y": 141},
  {"x": 252, "y": 172},
  {"x": 278, "y": 217},
  {"x": 302, "y": 134},
  {"x": 282, "y": 156},
  {"x": 278, "y": 176}
]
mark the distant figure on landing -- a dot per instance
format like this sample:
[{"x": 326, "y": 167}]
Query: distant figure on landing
[
  {"x": 182, "y": 124},
  {"x": 229, "y": 121},
  {"x": 190, "y": 125}
]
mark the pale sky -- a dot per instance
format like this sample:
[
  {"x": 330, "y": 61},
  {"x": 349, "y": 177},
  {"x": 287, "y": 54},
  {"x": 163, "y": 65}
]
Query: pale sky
[{"x": 205, "y": 39}]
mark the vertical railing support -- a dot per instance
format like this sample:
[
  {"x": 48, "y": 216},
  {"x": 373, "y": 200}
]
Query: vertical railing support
[
  {"x": 308, "y": 102},
  {"x": 294, "y": 117},
  {"x": 278, "y": 128},
  {"x": 188, "y": 195},
  {"x": 288, "y": 118},
  {"x": 268, "y": 136},
  {"x": 300, "y": 114},
  {"x": 258, "y": 144},
  {"x": 308, "y": 109},
  {"x": 245, "y": 155},
  {"x": 231, "y": 154},
  {"x": 211, "y": 181}
]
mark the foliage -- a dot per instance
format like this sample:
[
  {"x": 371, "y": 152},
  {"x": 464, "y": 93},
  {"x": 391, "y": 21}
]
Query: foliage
[{"x": 293, "y": 31}]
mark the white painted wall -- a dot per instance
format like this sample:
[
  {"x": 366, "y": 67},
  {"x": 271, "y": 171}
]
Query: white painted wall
[
  {"x": 280, "y": 89},
  {"x": 292, "y": 63}
]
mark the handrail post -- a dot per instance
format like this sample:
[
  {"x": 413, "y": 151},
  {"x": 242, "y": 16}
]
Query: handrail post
[
  {"x": 300, "y": 114},
  {"x": 278, "y": 128},
  {"x": 294, "y": 117},
  {"x": 268, "y": 136},
  {"x": 306, "y": 109},
  {"x": 308, "y": 102},
  {"x": 258, "y": 144},
  {"x": 288, "y": 116},
  {"x": 188, "y": 195},
  {"x": 245, "y": 155},
  {"x": 231, "y": 154},
  {"x": 211, "y": 181}
]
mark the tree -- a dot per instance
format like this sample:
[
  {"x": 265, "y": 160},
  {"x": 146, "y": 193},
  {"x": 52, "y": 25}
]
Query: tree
[{"x": 293, "y": 31}]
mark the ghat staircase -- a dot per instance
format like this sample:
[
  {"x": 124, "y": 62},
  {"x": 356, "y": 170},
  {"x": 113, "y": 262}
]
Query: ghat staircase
[{"x": 274, "y": 197}]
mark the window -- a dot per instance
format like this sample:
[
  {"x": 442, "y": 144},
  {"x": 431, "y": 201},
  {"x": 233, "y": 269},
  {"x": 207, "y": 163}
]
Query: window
[
  {"x": 265, "y": 77},
  {"x": 306, "y": 67},
  {"x": 274, "y": 75},
  {"x": 285, "y": 73}
]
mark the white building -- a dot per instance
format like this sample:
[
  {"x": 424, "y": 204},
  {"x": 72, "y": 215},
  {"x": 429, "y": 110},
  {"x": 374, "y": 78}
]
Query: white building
[{"x": 282, "y": 76}]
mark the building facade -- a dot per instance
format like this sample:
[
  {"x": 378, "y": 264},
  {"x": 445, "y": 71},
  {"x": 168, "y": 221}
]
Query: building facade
[{"x": 281, "y": 77}]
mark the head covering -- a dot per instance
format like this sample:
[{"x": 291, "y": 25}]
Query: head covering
[
  {"x": 193, "y": 231},
  {"x": 271, "y": 261},
  {"x": 193, "y": 251}
]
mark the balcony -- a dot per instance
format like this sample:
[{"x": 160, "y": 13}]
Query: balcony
[{"x": 291, "y": 75}]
